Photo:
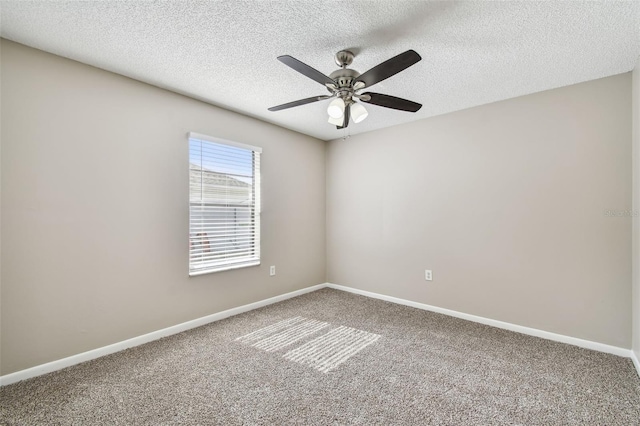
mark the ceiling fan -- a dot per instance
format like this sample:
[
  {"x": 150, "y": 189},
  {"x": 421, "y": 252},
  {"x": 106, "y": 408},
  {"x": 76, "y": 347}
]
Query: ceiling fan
[{"x": 345, "y": 84}]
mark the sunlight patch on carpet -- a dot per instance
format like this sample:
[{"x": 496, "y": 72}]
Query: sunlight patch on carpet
[
  {"x": 282, "y": 334},
  {"x": 328, "y": 351}
]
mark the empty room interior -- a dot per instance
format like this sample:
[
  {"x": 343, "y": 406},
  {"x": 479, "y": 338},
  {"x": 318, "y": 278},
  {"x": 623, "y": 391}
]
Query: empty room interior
[{"x": 294, "y": 212}]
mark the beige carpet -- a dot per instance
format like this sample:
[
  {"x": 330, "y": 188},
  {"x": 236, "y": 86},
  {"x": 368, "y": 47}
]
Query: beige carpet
[{"x": 331, "y": 357}]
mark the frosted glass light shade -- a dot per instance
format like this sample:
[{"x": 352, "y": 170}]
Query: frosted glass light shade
[
  {"x": 336, "y": 108},
  {"x": 336, "y": 121},
  {"x": 358, "y": 112}
]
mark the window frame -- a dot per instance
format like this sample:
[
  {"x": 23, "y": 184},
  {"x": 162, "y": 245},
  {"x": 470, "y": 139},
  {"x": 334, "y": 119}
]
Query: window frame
[{"x": 216, "y": 266}]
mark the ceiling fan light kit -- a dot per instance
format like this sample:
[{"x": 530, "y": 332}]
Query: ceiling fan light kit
[
  {"x": 358, "y": 112},
  {"x": 336, "y": 121},
  {"x": 336, "y": 108},
  {"x": 345, "y": 84}
]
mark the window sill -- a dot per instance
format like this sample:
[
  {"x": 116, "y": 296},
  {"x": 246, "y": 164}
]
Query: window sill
[{"x": 224, "y": 268}]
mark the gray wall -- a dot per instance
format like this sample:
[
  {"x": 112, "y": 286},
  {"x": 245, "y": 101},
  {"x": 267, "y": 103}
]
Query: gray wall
[
  {"x": 504, "y": 202},
  {"x": 94, "y": 209},
  {"x": 636, "y": 208}
]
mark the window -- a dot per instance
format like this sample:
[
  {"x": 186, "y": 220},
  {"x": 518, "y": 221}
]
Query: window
[{"x": 224, "y": 205}]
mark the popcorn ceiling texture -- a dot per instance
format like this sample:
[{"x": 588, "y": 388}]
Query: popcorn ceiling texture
[
  {"x": 224, "y": 52},
  {"x": 426, "y": 369}
]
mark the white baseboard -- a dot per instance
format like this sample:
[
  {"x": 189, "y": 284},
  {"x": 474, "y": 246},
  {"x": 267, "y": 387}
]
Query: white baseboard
[
  {"x": 145, "y": 338},
  {"x": 636, "y": 362},
  {"x": 494, "y": 323}
]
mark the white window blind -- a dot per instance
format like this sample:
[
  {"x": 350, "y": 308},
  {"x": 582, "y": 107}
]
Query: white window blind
[{"x": 224, "y": 205}]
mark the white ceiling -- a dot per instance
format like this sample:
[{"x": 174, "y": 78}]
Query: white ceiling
[{"x": 224, "y": 52}]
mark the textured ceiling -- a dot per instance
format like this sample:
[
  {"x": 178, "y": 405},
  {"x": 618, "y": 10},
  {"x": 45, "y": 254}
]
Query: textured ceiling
[{"x": 224, "y": 52}]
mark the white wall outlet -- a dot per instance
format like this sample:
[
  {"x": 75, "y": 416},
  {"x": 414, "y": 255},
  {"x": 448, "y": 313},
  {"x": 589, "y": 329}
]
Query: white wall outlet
[
  {"x": 427, "y": 275},
  {"x": 272, "y": 270}
]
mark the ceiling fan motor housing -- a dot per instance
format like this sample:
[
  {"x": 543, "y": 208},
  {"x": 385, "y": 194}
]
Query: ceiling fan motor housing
[{"x": 344, "y": 79}]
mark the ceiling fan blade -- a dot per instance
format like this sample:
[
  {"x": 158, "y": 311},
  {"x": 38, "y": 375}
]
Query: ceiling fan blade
[
  {"x": 299, "y": 102},
  {"x": 305, "y": 69},
  {"x": 390, "y": 102},
  {"x": 389, "y": 68},
  {"x": 347, "y": 116}
]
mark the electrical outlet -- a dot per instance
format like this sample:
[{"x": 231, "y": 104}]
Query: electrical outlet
[
  {"x": 272, "y": 270},
  {"x": 427, "y": 275}
]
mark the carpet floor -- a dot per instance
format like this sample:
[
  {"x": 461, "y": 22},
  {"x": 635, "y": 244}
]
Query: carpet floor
[{"x": 331, "y": 357}]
